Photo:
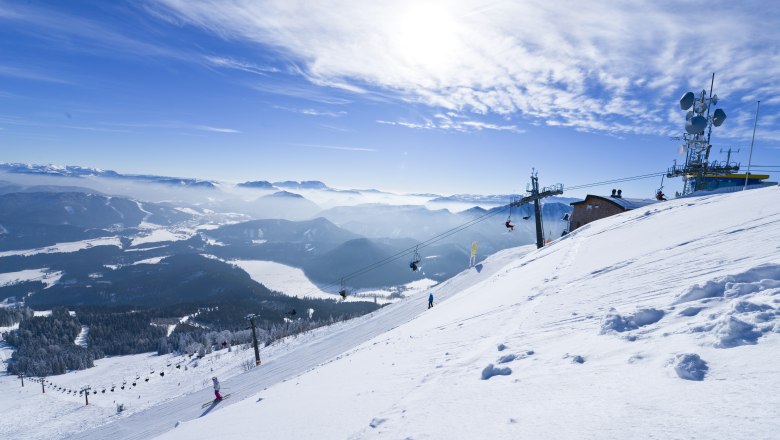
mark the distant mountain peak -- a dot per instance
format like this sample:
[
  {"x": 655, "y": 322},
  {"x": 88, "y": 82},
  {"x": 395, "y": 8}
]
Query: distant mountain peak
[
  {"x": 262, "y": 184},
  {"x": 283, "y": 194},
  {"x": 306, "y": 184}
]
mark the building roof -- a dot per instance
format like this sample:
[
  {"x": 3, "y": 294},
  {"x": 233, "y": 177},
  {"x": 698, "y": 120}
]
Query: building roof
[{"x": 625, "y": 203}]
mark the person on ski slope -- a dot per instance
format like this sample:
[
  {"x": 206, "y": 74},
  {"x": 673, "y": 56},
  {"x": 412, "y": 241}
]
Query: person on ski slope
[
  {"x": 216, "y": 388},
  {"x": 509, "y": 225},
  {"x": 430, "y": 300}
]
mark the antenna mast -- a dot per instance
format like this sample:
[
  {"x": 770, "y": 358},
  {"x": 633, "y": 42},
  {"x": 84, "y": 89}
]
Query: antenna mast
[{"x": 696, "y": 144}]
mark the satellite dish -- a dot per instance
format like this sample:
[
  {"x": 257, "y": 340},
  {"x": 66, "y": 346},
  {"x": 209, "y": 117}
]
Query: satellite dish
[
  {"x": 714, "y": 99},
  {"x": 687, "y": 101},
  {"x": 700, "y": 107},
  {"x": 689, "y": 115},
  {"x": 718, "y": 117},
  {"x": 696, "y": 125}
]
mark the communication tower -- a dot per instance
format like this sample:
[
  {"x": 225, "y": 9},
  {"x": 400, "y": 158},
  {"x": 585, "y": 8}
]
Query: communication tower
[{"x": 698, "y": 130}]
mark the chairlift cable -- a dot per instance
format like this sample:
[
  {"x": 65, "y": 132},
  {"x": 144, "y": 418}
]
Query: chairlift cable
[{"x": 441, "y": 236}]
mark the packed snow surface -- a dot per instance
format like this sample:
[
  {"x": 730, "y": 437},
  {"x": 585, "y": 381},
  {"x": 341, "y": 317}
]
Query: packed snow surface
[
  {"x": 293, "y": 282},
  {"x": 72, "y": 246},
  {"x": 45, "y": 276},
  {"x": 160, "y": 235},
  {"x": 282, "y": 278},
  {"x": 635, "y": 326}
]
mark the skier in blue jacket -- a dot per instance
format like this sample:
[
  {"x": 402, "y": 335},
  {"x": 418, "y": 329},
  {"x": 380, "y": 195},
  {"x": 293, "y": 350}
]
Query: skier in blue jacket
[{"x": 430, "y": 300}]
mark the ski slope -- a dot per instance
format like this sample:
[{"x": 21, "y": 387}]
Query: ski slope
[
  {"x": 663, "y": 322},
  {"x": 332, "y": 344},
  {"x": 598, "y": 334}
]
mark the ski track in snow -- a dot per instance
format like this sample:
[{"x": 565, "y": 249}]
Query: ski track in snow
[{"x": 81, "y": 338}]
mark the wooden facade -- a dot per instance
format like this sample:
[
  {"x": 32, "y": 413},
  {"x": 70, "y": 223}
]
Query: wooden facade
[{"x": 597, "y": 207}]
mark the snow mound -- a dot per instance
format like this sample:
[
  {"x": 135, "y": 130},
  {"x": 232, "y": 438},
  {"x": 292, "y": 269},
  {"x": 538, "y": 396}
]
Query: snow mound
[
  {"x": 644, "y": 317},
  {"x": 491, "y": 371},
  {"x": 732, "y": 332},
  {"x": 613, "y": 321},
  {"x": 749, "y": 307},
  {"x": 763, "y": 277},
  {"x": 691, "y": 311},
  {"x": 690, "y": 366}
]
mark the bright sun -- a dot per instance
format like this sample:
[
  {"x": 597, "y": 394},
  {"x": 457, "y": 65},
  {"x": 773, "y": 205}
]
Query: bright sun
[{"x": 426, "y": 35}]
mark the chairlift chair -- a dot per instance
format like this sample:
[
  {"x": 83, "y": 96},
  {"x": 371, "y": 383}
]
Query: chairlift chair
[
  {"x": 528, "y": 210},
  {"x": 508, "y": 222},
  {"x": 659, "y": 193},
  {"x": 415, "y": 263},
  {"x": 343, "y": 291}
]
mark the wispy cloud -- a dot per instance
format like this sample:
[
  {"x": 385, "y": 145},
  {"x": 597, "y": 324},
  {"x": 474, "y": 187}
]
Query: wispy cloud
[
  {"x": 300, "y": 92},
  {"x": 452, "y": 121},
  {"x": 213, "y": 129},
  {"x": 335, "y": 128},
  {"x": 613, "y": 67},
  {"x": 16, "y": 72},
  {"x": 311, "y": 111},
  {"x": 245, "y": 66},
  {"x": 332, "y": 147},
  {"x": 84, "y": 35},
  {"x": 176, "y": 125},
  {"x": 425, "y": 125},
  {"x": 11, "y": 120}
]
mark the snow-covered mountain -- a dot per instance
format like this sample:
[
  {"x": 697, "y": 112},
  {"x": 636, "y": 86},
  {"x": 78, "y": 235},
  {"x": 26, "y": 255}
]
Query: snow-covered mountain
[
  {"x": 261, "y": 184},
  {"x": 77, "y": 171},
  {"x": 657, "y": 323}
]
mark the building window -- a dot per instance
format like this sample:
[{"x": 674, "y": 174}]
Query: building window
[{"x": 590, "y": 207}]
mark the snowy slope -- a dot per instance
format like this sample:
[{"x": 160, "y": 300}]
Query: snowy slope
[
  {"x": 179, "y": 394},
  {"x": 424, "y": 379},
  {"x": 657, "y": 323}
]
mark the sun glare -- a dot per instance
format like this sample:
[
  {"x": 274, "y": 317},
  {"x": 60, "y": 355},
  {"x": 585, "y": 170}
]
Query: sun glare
[{"x": 426, "y": 35}]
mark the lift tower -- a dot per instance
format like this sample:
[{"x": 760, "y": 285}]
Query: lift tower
[{"x": 535, "y": 195}]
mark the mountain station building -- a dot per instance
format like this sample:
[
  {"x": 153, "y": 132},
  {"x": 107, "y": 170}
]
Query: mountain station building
[{"x": 597, "y": 207}]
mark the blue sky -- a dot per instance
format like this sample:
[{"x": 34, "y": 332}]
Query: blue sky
[{"x": 410, "y": 96}]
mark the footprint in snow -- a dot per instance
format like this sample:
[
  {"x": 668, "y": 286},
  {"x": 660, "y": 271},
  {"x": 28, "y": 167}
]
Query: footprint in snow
[
  {"x": 491, "y": 371},
  {"x": 375, "y": 422}
]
